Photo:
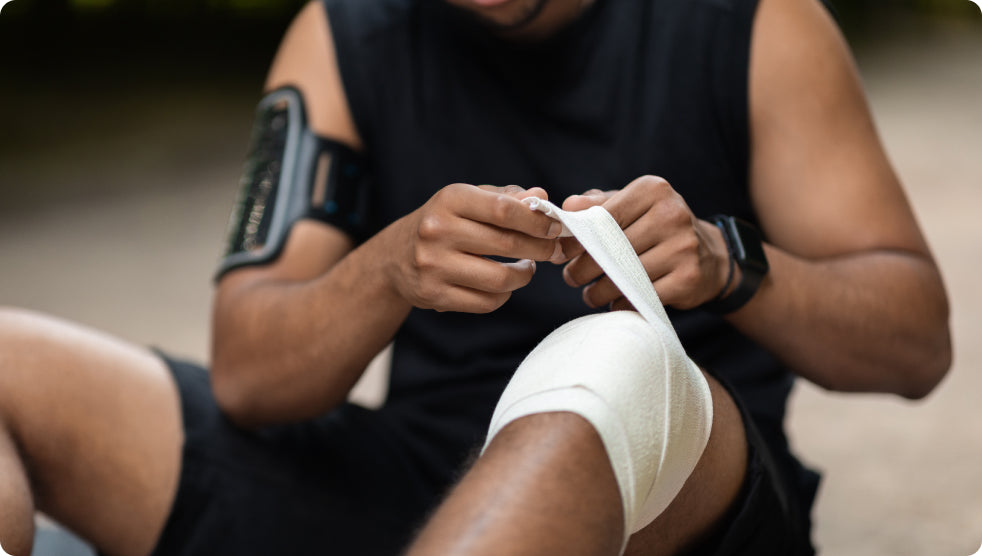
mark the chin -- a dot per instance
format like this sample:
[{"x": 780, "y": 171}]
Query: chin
[{"x": 504, "y": 14}]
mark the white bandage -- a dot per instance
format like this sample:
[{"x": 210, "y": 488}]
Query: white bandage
[{"x": 625, "y": 373}]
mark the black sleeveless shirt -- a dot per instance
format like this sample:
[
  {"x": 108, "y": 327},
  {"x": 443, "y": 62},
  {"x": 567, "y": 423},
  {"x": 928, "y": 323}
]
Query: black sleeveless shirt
[{"x": 632, "y": 87}]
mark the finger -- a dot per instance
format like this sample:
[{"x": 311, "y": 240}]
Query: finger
[
  {"x": 643, "y": 234},
  {"x": 516, "y": 191},
  {"x": 674, "y": 292},
  {"x": 600, "y": 293},
  {"x": 591, "y": 198},
  {"x": 505, "y": 211},
  {"x": 537, "y": 192},
  {"x": 622, "y": 304},
  {"x": 581, "y": 270},
  {"x": 676, "y": 283},
  {"x": 483, "y": 239},
  {"x": 467, "y": 300},
  {"x": 512, "y": 190},
  {"x": 571, "y": 248},
  {"x": 657, "y": 263},
  {"x": 628, "y": 205},
  {"x": 485, "y": 275}
]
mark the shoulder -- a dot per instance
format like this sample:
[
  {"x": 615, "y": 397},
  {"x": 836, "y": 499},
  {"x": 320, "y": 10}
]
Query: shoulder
[{"x": 306, "y": 60}]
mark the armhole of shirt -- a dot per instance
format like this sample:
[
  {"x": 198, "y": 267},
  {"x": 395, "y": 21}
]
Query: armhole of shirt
[
  {"x": 352, "y": 68},
  {"x": 732, "y": 68}
]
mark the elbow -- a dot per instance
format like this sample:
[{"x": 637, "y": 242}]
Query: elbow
[
  {"x": 251, "y": 397},
  {"x": 933, "y": 355},
  {"x": 233, "y": 396},
  {"x": 935, "y": 359}
]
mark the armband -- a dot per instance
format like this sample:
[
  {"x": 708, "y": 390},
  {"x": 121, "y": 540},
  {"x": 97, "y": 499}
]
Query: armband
[{"x": 292, "y": 173}]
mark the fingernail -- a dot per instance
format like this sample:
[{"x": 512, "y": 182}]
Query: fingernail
[
  {"x": 555, "y": 229},
  {"x": 586, "y": 298},
  {"x": 557, "y": 254},
  {"x": 569, "y": 280},
  {"x": 532, "y": 265}
]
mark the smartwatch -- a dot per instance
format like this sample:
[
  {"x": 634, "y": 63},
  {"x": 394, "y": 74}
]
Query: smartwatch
[{"x": 746, "y": 249}]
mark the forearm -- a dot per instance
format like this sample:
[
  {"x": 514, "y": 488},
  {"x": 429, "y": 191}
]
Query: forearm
[
  {"x": 291, "y": 339},
  {"x": 869, "y": 321},
  {"x": 286, "y": 350}
]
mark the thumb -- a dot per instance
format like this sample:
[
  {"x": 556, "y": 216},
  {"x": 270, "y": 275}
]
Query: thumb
[{"x": 587, "y": 199}]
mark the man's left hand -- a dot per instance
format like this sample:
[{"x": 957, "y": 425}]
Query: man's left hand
[{"x": 685, "y": 257}]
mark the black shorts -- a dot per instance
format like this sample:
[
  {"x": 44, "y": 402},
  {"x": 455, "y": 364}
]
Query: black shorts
[
  {"x": 772, "y": 515},
  {"x": 361, "y": 482}
]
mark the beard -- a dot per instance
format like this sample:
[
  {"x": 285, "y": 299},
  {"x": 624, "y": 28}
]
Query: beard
[
  {"x": 530, "y": 10},
  {"x": 521, "y": 15}
]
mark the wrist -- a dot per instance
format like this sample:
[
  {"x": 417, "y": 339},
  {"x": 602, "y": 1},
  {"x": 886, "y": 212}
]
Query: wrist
[
  {"x": 385, "y": 268},
  {"x": 726, "y": 269},
  {"x": 746, "y": 258}
]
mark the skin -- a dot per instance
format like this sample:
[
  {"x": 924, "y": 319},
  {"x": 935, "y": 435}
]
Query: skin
[
  {"x": 854, "y": 301},
  {"x": 90, "y": 434},
  {"x": 561, "y": 496},
  {"x": 525, "y": 19}
]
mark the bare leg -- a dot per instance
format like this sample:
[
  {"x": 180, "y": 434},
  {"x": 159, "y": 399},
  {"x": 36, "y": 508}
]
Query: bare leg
[
  {"x": 545, "y": 486},
  {"x": 93, "y": 426},
  {"x": 16, "y": 503}
]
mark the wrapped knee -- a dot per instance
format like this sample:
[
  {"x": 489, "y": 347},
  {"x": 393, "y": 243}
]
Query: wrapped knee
[{"x": 633, "y": 382}]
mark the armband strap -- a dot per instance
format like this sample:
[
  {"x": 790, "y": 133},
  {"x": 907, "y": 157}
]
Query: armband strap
[{"x": 292, "y": 173}]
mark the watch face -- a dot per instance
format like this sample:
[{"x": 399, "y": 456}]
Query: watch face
[{"x": 749, "y": 246}]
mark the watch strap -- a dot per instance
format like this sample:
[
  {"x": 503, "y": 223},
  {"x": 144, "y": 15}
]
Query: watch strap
[{"x": 752, "y": 272}]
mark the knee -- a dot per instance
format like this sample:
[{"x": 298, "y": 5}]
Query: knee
[
  {"x": 9, "y": 314},
  {"x": 16, "y": 531},
  {"x": 14, "y": 324},
  {"x": 26, "y": 339},
  {"x": 15, "y": 327},
  {"x": 633, "y": 382},
  {"x": 16, "y": 500}
]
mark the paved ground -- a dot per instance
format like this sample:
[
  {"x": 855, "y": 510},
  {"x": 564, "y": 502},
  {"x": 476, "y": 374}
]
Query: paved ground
[{"x": 127, "y": 243}]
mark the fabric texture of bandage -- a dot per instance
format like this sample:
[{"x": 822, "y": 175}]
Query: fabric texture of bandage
[{"x": 624, "y": 372}]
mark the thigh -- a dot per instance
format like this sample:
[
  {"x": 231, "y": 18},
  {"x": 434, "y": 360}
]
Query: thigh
[
  {"x": 348, "y": 482},
  {"x": 98, "y": 424}
]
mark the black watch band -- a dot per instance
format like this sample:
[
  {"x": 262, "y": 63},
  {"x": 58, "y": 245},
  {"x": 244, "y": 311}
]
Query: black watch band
[{"x": 746, "y": 248}]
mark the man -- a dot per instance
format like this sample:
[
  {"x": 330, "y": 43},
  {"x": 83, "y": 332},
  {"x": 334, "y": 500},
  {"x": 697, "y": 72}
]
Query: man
[{"x": 749, "y": 109}]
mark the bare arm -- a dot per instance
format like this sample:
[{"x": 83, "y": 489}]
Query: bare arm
[
  {"x": 261, "y": 342},
  {"x": 291, "y": 338},
  {"x": 853, "y": 300}
]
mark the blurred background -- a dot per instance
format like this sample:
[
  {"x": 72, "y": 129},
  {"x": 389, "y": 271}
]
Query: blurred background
[{"x": 123, "y": 124}]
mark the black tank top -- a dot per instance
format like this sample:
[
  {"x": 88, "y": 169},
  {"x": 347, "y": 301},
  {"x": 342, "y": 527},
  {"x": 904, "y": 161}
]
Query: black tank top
[{"x": 632, "y": 87}]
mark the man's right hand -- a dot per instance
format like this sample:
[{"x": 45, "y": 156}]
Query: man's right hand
[{"x": 441, "y": 250}]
